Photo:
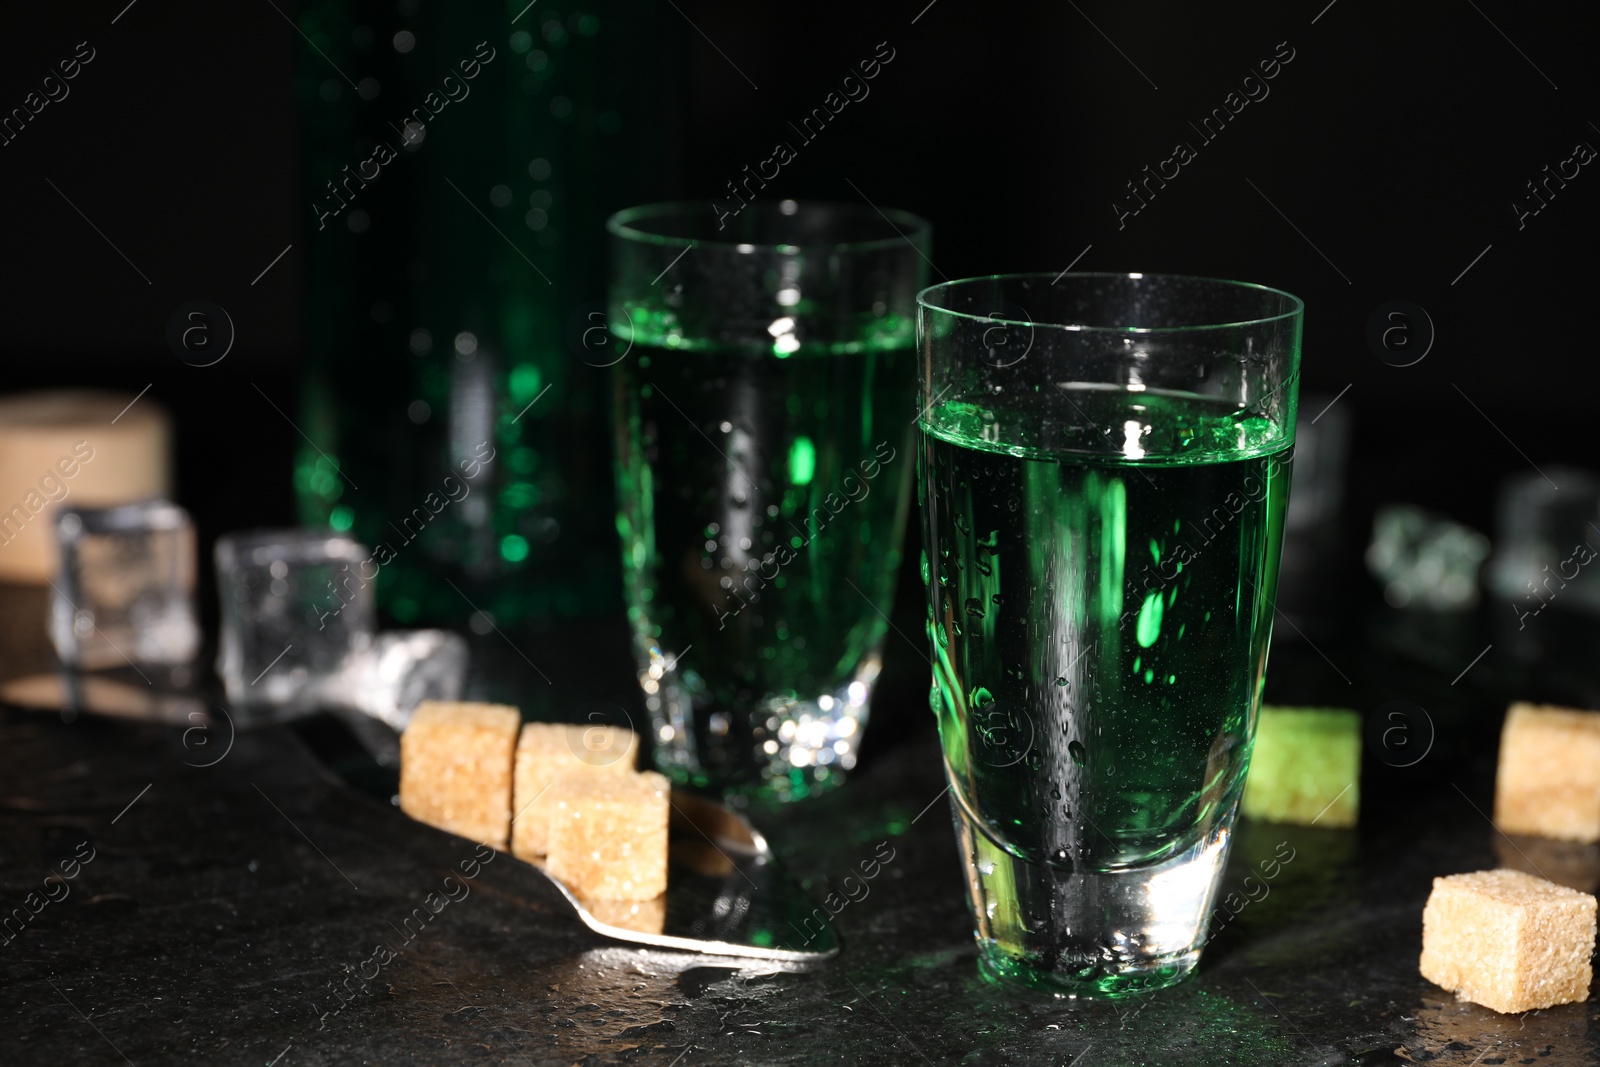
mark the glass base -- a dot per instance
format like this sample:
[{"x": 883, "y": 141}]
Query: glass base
[
  {"x": 1002, "y": 969},
  {"x": 1091, "y": 933},
  {"x": 783, "y": 747}
]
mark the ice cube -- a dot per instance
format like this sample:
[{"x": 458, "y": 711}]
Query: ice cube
[
  {"x": 1425, "y": 560},
  {"x": 125, "y": 592},
  {"x": 1546, "y": 538},
  {"x": 1321, "y": 445},
  {"x": 397, "y": 671},
  {"x": 294, "y": 604}
]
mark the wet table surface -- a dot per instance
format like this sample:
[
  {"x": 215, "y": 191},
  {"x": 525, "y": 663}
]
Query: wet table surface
[{"x": 228, "y": 914}]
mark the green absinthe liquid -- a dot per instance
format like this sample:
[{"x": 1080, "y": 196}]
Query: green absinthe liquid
[
  {"x": 762, "y": 502},
  {"x": 1100, "y": 622}
]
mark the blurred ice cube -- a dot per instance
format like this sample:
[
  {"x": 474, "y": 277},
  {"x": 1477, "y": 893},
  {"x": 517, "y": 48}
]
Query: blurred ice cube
[
  {"x": 125, "y": 594},
  {"x": 1321, "y": 445},
  {"x": 1546, "y": 535},
  {"x": 1425, "y": 560},
  {"x": 396, "y": 672},
  {"x": 294, "y": 604}
]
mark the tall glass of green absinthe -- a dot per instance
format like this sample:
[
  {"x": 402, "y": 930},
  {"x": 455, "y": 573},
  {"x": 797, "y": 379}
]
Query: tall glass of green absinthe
[
  {"x": 1104, "y": 470},
  {"x": 764, "y": 404}
]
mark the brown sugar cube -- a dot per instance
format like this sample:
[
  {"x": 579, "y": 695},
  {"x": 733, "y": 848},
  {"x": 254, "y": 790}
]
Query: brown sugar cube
[
  {"x": 639, "y": 916},
  {"x": 547, "y": 750},
  {"x": 455, "y": 768},
  {"x": 1508, "y": 940},
  {"x": 1548, "y": 783},
  {"x": 608, "y": 835}
]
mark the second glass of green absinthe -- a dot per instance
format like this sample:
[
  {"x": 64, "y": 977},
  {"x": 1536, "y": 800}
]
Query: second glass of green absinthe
[
  {"x": 762, "y": 502},
  {"x": 1089, "y": 612}
]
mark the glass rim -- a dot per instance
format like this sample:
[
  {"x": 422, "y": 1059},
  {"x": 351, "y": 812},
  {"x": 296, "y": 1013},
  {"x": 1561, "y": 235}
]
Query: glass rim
[
  {"x": 925, "y": 302},
  {"x": 295, "y": 542},
  {"x": 908, "y": 226},
  {"x": 164, "y": 515}
]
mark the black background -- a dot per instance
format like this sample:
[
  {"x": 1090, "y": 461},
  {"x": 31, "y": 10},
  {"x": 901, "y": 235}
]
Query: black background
[{"x": 1395, "y": 141}]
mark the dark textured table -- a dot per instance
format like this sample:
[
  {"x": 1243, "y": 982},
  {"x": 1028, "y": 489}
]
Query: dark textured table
[{"x": 229, "y": 915}]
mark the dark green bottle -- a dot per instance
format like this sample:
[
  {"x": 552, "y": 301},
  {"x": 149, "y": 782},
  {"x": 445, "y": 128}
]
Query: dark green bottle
[{"x": 459, "y": 162}]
